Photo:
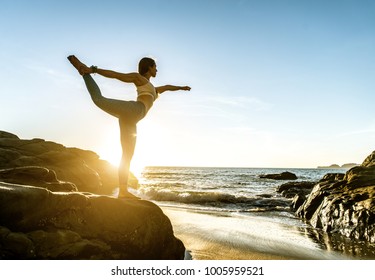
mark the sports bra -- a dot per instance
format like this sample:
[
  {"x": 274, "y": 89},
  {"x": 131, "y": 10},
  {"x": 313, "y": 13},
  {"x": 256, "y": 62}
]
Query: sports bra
[{"x": 147, "y": 89}]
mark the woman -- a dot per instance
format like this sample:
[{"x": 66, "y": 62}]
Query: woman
[{"x": 129, "y": 113}]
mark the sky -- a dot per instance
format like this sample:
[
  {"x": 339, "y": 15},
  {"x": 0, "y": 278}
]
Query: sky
[{"x": 274, "y": 83}]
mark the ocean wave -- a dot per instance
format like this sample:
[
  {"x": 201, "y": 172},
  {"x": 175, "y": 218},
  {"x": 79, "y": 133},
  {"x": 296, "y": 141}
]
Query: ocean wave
[
  {"x": 151, "y": 173},
  {"x": 267, "y": 209},
  {"x": 216, "y": 199}
]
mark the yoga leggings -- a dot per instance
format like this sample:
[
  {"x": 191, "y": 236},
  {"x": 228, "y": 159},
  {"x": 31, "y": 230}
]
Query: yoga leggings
[
  {"x": 129, "y": 114},
  {"x": 132, "y": 111}
]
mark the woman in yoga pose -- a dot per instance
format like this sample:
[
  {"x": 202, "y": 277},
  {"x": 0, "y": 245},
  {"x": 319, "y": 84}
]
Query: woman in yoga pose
[{"x": 129, "y": 113}]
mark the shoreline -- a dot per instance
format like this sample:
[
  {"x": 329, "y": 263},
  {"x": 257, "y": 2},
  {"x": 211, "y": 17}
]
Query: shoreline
[{"x": 217, "y": 236}]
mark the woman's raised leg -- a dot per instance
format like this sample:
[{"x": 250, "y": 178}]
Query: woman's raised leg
[{"x": 113, "y": 107}]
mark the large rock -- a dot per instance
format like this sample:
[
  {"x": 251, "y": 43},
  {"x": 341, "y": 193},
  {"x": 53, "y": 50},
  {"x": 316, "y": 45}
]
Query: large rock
[
  {"x": 39, "y": 224},
  {"x": 344, "y": 203},
  {"x": 36, "y": 176},
  {"x": 82, "y": 168},
  {"x": 282, "y": 176},
  {"x": 291, "y": 189},
  {"x": 4, "y": 134}
]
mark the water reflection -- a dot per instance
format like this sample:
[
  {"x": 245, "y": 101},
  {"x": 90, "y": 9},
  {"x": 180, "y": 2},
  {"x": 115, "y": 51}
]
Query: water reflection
[{"x": 335, "y": 242}]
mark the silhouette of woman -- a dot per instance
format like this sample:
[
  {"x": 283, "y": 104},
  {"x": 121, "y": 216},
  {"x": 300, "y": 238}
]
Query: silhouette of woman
[{"x": 129, "y": 113}]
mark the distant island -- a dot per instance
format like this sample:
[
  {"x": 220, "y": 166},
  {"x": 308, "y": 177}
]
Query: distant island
[{"x": 334, "y": 166}]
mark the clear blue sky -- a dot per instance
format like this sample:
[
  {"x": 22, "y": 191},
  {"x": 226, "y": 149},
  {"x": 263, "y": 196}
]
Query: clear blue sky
[{"x": 274, "y": 83}]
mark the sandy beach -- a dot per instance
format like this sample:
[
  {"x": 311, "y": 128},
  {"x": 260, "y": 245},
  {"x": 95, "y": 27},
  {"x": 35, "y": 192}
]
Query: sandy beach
[{"x": 216, "y": 236}]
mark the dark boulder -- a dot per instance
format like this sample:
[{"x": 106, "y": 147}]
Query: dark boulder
[
  {"x": 290, "y": 189},
  {"x": 8, "y": 135},
  {"x": 282, "y": 176},
  {"x": 81, "y": 167},
  {"x": 38, "y": 224},
  {"x": 344, "y": 204},
  {"x": 297, "y": 201},
  {"x": 331, "y": 177},
  {"x": 36, "y": 176},
  {"x": 43, "y": 216}
]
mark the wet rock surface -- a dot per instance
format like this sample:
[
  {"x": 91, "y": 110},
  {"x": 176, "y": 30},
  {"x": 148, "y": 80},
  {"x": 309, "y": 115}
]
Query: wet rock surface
[{"x": 339, "y": 203}]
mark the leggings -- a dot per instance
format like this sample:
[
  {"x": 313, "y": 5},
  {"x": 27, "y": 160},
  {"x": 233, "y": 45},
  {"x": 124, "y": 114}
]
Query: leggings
[{"x": 129, "y": 114}]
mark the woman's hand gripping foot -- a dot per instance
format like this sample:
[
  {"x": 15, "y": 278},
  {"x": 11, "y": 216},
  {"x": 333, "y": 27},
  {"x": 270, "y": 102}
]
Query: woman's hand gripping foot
[{"x": 82, "y": 68}]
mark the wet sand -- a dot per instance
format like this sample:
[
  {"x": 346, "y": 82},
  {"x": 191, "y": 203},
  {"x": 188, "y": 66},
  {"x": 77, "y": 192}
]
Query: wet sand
[{"x": 212, "y": 236}]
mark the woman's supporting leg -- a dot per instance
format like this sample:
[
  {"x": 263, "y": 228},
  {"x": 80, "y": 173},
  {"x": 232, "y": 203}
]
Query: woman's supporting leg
[
  {"x": 129, "y": 113},
  {"x": 128, "y": 133}
]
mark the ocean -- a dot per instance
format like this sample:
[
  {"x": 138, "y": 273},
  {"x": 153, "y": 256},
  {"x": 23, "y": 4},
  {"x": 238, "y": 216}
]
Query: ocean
[
  {"x": 241, "y": 193},
  {"x": 239, "y": 190}
]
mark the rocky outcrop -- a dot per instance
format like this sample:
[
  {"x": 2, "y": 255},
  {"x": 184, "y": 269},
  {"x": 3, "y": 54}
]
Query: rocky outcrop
[
  {"x": 48, "y": 209},
  {"x": 344, "y": 203},
  {"x": 282, "y": 176},
  {"x": 301, "y": 189},
  {"x": 36, "y": 176},
  {"x": 82, "y": 168},
  {"x": 39, "y": 224},
  {"x": 291, "y": 189}
]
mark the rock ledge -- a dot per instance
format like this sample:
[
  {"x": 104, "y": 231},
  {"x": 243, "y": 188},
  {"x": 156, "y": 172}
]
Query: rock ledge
[{"x": 39, "y": 224}]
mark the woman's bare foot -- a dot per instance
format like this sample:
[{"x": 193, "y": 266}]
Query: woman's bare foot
[
  {"x": 127, "y": 195},
  {"x": 82, "y": 68}
]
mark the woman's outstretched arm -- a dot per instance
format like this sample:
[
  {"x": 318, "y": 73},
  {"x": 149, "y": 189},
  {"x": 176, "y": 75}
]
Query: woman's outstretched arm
[
  {"x": 134, "y": 78},
  {"x": 162, "y": 89}
]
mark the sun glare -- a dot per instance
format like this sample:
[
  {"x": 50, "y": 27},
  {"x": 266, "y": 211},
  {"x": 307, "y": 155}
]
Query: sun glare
[
  {"x": 113, "y": 156},
  {"x": 136, "y": 167},
  {"x": 145, "y": 151}
]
